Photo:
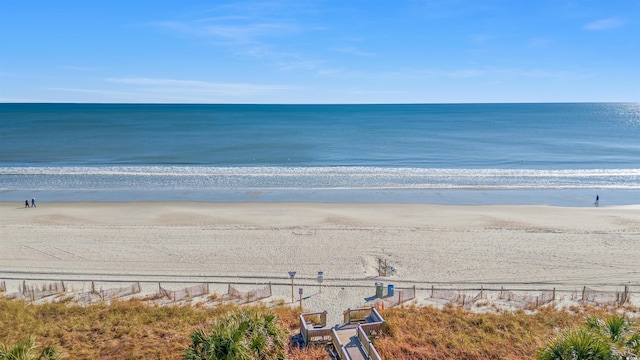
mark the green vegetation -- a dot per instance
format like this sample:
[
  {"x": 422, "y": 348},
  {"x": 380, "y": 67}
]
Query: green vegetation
[
  {"x": 454, "y": 333},
  {"x": 137, "y": 330},
  {"x": 27, "y": 349},
  {"x": 244, "y": 335},
  {"x": 613, "y": 338}
]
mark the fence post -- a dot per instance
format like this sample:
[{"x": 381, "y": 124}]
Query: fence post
[
  {"x": 626, "y": 292},
  {"x": 431, "y": 290},
  {"x": 584, "y": 288},
  {"x": 554, "y": 295}
]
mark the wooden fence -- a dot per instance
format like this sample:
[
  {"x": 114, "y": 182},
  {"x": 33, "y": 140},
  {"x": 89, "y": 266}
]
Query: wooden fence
[
  {"x": 399, "y": 296},
  {"x": 251, "y": 295},
  {"x": 114, "y": 293},
  {"x": 456, "y": 296},
  {"x": 605, "y": 297},
  {"x": 35, "y": 292},
  {"x": 184, "y": 294},
  {"x": 545, "y": 297},
  {"x": 530, "y": 298}
]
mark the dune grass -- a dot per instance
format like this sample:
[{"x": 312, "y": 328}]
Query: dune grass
[
  {"x": 122, "y": 330},
  {"x": 454, "y": 333},
  {"x": 137, "y": 330}
]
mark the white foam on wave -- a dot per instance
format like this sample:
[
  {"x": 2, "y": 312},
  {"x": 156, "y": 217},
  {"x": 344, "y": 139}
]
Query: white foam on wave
[{"x": 201, "y": 177}]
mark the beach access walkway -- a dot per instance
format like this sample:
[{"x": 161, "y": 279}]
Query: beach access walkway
[{"x": 350, "y": 340}]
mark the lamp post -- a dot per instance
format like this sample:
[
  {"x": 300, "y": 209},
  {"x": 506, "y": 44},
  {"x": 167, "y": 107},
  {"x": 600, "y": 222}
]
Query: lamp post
[{"x": 292, "y": 274}]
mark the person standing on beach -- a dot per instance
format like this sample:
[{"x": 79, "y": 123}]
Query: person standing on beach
[
  {"x": 33, "y": 202},
  {"x": 597, "y": 200},
  {"x": 26, "y": 203}
]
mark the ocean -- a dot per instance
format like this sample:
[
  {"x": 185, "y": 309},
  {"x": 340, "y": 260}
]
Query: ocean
[{"x": 557, "y": 154}]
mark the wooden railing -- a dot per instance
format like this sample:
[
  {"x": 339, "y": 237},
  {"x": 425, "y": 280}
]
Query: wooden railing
[
  {"x": 370, "y": 323},
  {"x": 337, "y": 344},
  {"x": 310, "y": 333},
  {"x": 373, "y": 329},
  {"x": 358, "y": 315},
  {"x": 367, "y": 346}
]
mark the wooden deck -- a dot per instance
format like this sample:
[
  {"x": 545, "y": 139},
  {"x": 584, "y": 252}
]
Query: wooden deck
[
  {"x": 351, "y": 344},
  {"x": 351, "y": 339}
]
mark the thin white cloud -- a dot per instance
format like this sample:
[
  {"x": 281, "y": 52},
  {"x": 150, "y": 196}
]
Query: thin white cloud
[
  {"x": 605, "y": 24},
  {"x": 110, "y": 93},
  {"x": 469, "y": 73},
  {"x": 153, "y": 90},
  {"x": 197, "y": 86},
  {"x": 253, "y": 30}
]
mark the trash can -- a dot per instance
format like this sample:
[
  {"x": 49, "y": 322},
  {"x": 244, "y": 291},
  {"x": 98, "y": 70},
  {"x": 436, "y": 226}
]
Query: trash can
[
  {"x": 390, "y": 290},
  {"x": 379, "y": 289}
]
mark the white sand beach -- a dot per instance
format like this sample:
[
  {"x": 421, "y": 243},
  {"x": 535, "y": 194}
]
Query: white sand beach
[{"x": 537, "y": 247}]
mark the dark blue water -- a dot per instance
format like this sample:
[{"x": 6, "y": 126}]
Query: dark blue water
[{"x": 466, "y": 153}]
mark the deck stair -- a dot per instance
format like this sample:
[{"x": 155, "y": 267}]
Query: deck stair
[{"x": 351, "y": 339}]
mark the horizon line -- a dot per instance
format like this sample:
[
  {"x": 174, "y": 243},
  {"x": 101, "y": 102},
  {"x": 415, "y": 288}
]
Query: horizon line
[{"x": 310, "y": 104}]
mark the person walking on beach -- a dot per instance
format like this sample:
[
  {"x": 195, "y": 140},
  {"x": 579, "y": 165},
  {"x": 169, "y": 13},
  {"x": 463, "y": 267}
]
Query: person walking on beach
[
  {"x": 26, "y": 203},
  {"x": 33, "y": 202},
  {"x": 597, "y": 200}
]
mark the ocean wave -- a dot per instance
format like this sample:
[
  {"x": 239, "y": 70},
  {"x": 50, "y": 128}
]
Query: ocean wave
[
  {"x": 297, "y": 178},
  {"x": 310, "y": 171}
]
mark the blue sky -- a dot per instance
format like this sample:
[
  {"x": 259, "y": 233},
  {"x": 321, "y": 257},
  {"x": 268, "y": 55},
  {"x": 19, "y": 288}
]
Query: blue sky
[{"x": 456, "y": 51}]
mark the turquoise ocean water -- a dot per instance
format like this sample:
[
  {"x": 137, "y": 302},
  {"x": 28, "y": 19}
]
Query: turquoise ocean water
[{"x": 559, "y": 154}]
